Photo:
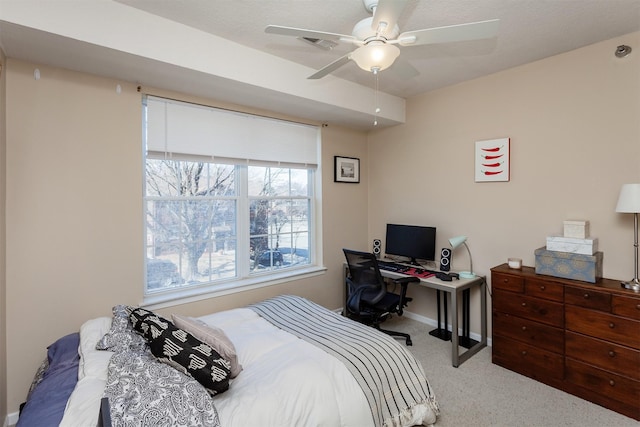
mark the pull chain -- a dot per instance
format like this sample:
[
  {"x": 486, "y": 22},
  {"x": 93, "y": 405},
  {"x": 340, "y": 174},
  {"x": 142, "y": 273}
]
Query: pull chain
[{"x": 375, "y": 71}]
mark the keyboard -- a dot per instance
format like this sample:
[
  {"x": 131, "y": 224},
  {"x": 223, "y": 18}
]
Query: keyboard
[
  {"x": 405, "y": 269},
  {"x": 392, "y": 266}
]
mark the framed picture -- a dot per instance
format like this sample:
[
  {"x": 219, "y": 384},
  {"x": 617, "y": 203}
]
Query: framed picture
[
  {"x": 347, "y": 169},
  {"x": 492, "y": 160}
]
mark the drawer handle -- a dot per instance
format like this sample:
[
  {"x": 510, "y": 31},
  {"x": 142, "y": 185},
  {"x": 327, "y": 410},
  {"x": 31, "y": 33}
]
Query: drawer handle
[
  {"x": 506, "y": 280},
  {"x": 524, "y": 304},
  {"x": 612, "y": 383},
  {"x": 524, "y": 352},
  {"x": 612, "y": 325},
  {"x": 586, "y": 296},
  {"x": 542, "y": 287},
  {"x": 612, "y": 353},
  {"x": 638, "y": 306},
  {"x": 524, "y": 328}
]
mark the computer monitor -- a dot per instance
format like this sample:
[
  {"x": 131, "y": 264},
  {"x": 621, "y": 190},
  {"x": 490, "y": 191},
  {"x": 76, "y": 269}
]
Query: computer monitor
[{"x": 411, "y": 241}]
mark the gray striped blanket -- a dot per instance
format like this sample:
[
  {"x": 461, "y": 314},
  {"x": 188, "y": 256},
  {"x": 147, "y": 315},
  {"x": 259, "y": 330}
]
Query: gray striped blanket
[{"x": 392, "y": 380}]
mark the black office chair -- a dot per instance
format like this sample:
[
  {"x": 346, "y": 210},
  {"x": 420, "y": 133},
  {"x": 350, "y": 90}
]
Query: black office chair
[{"x": 368, "y": 300}]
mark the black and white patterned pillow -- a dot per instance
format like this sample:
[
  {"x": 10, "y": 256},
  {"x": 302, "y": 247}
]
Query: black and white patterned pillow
[{"x": 182, "y": 350}]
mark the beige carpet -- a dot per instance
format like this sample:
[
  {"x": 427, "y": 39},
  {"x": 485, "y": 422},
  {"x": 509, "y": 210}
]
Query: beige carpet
[{"x": 479, "y": 393}]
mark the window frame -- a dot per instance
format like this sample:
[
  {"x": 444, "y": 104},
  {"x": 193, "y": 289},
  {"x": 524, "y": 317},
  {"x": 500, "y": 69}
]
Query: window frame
[{"x": 252, "y": 280}]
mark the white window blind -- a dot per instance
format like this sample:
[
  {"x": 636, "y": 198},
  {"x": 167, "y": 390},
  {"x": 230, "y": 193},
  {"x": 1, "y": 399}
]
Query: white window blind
[{"x": 179, "y": 127}]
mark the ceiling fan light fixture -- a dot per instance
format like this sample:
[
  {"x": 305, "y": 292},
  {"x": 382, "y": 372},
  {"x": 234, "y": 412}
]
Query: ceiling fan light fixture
[
  {"x": 378, "y": 36},
  {"x": 375, "y": 55}
]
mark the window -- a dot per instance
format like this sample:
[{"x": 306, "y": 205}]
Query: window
[
  {"x": 191, "y": 222},
  {"x": 217, "y": 219},
  {"x": 279, "y": 213}
]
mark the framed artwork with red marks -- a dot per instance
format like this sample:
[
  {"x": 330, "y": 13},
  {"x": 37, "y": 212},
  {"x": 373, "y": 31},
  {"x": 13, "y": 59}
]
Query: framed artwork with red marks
[{"x": 492, "y": 160}]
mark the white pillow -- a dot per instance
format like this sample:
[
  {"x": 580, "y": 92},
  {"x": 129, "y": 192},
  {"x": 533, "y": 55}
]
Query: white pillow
[
  {"x": 213, "y": 336},
  {"x": 92, "y": 361}
]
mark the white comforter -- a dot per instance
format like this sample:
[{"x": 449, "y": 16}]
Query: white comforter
[{"x": 285, "y": 381}]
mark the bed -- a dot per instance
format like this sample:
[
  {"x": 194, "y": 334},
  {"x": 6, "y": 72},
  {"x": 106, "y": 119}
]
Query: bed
[{"x": 285, "y": 361}]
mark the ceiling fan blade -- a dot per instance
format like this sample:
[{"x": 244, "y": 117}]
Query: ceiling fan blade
[
  {"x": 313, "y": 34},
  {"x": 451, "y": 33},
  {"x": 387, "y": 12},
  {"x": 331, "y": 67},
  {"x": 404, "y": 70}
]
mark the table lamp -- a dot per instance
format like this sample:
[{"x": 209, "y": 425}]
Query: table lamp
[
  {"x": 629, "y": 202},
  {"x": 462, "y": 240}
]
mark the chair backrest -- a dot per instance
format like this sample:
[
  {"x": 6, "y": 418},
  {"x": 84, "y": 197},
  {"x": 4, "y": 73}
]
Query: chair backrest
[{"x": 364, "y": 271}]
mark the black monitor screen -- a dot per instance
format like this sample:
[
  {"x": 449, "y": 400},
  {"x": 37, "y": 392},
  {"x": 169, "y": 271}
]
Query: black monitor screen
[{"x": 411, "y": 241}]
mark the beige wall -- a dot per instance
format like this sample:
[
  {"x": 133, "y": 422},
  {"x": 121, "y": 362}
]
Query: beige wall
[
  {"x": 74, "y": 181},
  {"x": 74, "y": 213},
  {"x": 3, "y": 330},
  {"x": 575, "y": 139}
]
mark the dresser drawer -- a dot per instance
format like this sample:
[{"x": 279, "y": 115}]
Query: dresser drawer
[
  {"x": 626, "y": 306},
  {"x": 530, "y": 332},
  {"x": 604, "y": 326},
  {"x": 536, "y": 309},
  {"x": 528, "y": 360},
  {"x": 603, "y": 354},
  {"x": 507, "y": 282},
  {"x": 578, "y": 337},
  {"x": 602, "y": 382},
  {"x": 587, "y": 298},
  {"x": 544, "y": 289}
]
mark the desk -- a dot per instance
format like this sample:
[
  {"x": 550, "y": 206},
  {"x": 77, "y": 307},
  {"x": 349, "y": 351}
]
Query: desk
[{"x": 455, "y": 290}]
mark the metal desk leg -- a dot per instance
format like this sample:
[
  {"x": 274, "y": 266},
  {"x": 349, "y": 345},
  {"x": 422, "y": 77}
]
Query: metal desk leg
[
  {"x": 465, "y": 340},
  {"x": 455, "y": 359},
  {"x": 483, "y": 313},
  {"x": 441, "y": 332},
  {"x": 460, "y": 358}
]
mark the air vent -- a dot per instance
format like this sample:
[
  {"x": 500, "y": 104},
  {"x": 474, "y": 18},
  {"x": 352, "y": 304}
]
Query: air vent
[{"x": 321, "y": 43}]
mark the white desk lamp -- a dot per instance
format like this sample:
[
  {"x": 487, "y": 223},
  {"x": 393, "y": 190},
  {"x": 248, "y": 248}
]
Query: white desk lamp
[
  {"x": 462, "y": 240},
  {"x": 629, "y": 202}
]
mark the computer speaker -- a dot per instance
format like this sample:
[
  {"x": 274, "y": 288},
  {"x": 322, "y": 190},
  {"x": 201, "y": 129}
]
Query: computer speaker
[
  {"x": 377, "y": 247},
  {"x": 445, "y": 259}
]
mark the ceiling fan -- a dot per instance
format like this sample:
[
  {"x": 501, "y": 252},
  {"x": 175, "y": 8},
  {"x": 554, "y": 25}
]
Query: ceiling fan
[{"x": 378, "y": 35}]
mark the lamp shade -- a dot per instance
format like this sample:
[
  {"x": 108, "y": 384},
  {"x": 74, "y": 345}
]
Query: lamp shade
[
  {"x": 375, "y": 55},
  {"x": 457, "y": 241},
  {"x": 629, "y": 199}
]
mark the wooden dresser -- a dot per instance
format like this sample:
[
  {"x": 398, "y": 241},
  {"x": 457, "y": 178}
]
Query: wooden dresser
[{"x": 583, "y": 338}]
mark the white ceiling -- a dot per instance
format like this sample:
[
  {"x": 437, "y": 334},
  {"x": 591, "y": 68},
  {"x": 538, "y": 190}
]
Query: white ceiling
[{"x": 529, "y": 30}]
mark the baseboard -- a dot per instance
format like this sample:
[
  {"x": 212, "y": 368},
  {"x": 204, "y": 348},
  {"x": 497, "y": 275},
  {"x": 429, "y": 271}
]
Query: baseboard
[
  {"x": 420, "y": 318},
  {"x": 11, "y": 419},
  {"x": 431, "y": 322}
]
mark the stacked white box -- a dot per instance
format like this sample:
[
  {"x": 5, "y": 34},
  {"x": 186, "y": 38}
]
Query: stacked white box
[
  {"x": 573, "y": 255},
  {"x": 572, "y": 245},
  {"x": 577, "y": 229}
]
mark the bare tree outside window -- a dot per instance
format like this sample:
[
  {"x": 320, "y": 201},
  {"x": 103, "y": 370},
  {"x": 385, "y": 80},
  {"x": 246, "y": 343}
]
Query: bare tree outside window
[
  {"x": 192, "y": 220},
  {"x": 190, "y": 213},
  {"x": 279, "y": 222}
]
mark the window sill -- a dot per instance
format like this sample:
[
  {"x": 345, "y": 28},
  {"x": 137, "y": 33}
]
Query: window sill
[{"x": 183, "y": 296}]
